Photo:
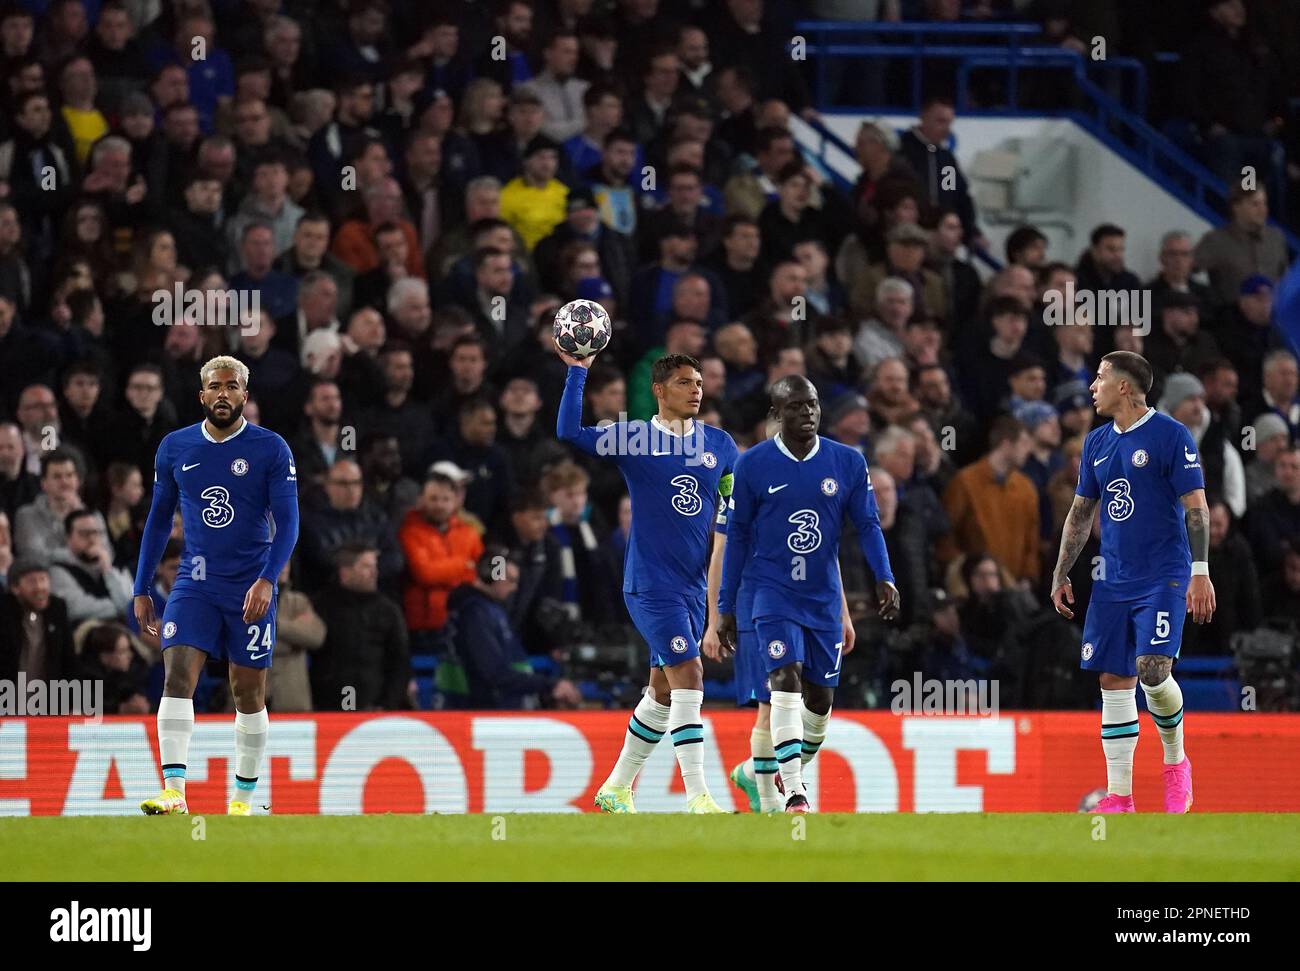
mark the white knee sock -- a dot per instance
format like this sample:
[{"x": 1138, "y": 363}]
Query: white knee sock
[
  {"x": 814, "y": 732},
  {"x": 764, "y": 766},
  {"x": 175, "y": 726},
  {"x": 787, "y": 739},
  {"x": 647, "y": 725},
  {"x": 1119, "y": 737},
  {"x": 250, "y": 742},
  {"x": 687, "y": 730},
  {"x": 1165, "y": 702}
]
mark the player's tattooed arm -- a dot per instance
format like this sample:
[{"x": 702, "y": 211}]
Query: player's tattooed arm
[
  {"x": 1200, "y": 591},
  {"x": 1078, "y": 524},
  {"x": 1198, "y": 524}
]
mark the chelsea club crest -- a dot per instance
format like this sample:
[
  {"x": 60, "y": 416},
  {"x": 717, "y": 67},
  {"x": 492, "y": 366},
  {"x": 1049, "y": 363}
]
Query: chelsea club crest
[
  {"x": 1140, "y": 458},
  {"x": 830, "y": 486},
  {"x": 239, "y": 466}
]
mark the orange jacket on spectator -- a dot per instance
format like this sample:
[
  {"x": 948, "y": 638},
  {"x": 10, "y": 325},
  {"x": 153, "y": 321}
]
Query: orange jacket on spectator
[
  {"x": 355, "y": 246},
  {"x": 437, "y": 561},
  {"x": 998, "y": 517}
]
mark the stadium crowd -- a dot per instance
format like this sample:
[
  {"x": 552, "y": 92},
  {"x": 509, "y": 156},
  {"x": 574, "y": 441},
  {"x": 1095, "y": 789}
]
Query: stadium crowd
[{"x": 411, "y": 189}]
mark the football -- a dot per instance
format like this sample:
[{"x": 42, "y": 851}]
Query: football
[{"x": 581, "y": 328}]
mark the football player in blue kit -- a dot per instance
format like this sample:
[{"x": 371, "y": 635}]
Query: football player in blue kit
[
  {"x": 1143, "y": 470},
  {"x": 237, "y": 488},
  {"x": 791, "y": 496},
  {"x": 676, "y": 469},
  {"x": 756, "y": 777}
]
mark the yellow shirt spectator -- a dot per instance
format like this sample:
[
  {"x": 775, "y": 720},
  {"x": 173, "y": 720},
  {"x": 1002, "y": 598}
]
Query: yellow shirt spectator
[
  {"x": 534, "y": 203},
  {"x": 87, "y": 127}
]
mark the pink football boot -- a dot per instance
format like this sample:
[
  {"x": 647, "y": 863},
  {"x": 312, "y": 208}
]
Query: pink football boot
[
  {"x": 1178, "y": 787},
  {"x": 1115, "y": 804}
]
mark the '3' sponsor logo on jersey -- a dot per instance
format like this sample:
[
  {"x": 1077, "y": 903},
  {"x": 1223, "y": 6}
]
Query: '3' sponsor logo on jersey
[
  {"x": 1121, "y": 505},
  {"x": 687, "y": 501}
]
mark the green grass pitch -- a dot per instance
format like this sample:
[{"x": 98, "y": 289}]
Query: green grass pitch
[{"x": 591, "y": 847}]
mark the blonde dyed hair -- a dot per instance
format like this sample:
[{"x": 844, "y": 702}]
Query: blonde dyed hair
[{"x": 224, "y": 362}]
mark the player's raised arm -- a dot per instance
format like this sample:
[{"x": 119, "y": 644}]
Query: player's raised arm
[
  {"x": 866, "y": 517},
  {"x": 568, "y": 422},
  {"x": 1200, "y": 590},
  {"x": 157, "y": 529}
]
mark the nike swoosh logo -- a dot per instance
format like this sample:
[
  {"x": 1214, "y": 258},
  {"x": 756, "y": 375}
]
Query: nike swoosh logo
[
  {"x": 661, "y": 453},
  {"x": 258, "y": 657},
  {"x": 186, "y": 468},
  {"x": 1099, "y": 461},
  {"x": 830, "y": 674},
  {"x": 772, "y": 489},
  {"x": 1165, "y": 641}
]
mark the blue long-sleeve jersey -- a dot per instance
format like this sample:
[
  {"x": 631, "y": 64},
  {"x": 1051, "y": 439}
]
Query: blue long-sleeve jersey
[{"x": 784, "y": 530}]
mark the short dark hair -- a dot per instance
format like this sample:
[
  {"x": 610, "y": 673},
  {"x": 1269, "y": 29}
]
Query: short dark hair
[
  {"x": 1000, "y": 306},
  {"x": 58, "y": 457},
  {"x": 348, "y": 554},
  {"x": 467, "y": 340},
  {"x": 1005, "y": 429},
  {"x": 1104, "y": 231},
  {"x": 663, "y": 368},
  {"x": 1133, "y": 366},
  {"x": 593, "y": 95},
  {"x": 736, "y": 219},
  {"x": 485, "y": 253},
  {"x": 1021, "y": 238},
  {"x": 601, "y": 377},
  {"x": 618, "y": 135},
  {"x": 527, "y": 501},
  {"x": 76, "y": 514},
  {"x": 766, "y": 136},
  {"x": 84, "y": 365}
]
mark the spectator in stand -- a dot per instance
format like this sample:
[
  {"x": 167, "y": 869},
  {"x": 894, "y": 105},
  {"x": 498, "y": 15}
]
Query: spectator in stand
[
  {"x": 1243, "y": 248},
  {"x": 1246, "y": 330},
  {"x": 495, "y": 659},
  {"x": 824, "y": 294},
  {"x": 1183, "y": 399},
  {"x": 1178, "y": 342},
  {"x": 82, "y": 574},
  {"x": 615, "y": 251},
  {"x": 123, "y": 514},
  {"x": 345, "y": 517},
  {"x": 1271, "y": 439},
  {"x": 560, "y": 91},
  {"x": 107, "y": 657},
  {"x": 961, "y": 281},
  {"x": 40, "y": 525},
  {"x": 1101, "y": 265},
  {"x": 748, "y": 193},
  {"x": 881, "y": 167},
  {"x": 534, "y": 202},
  {"x": 277, "y": 291},
  {"x": 881, "y": 335},
  {"x": 317, "y": 445},
  {"x": 1280, "y": 391},
  {"x": 919, "y": 522},
  {"x": 833, "y": 367},
  {"x": 1045, "y": 458},
  {"x": 1233, "y": 92},
  {"x": 397, "y": 414},
  {"x": 18, "y": 487},
  {"x": 1219, "y": 378},
  {"x": 267, "y": 203},
  {"x": 386, "y": 488},
  {"x": 512, "y": 20},
  {"x": 355, "y": 242},
  {"x": 471, "y": 444},
  {"x": 993, "y": 506},
  {"x": 1074, "y": 405},
  {"x": 364, "y": 663},
  {"x": 905, "y": 251},
  {"x": 954, "y": 426},
  {"x": 685, "y": 207},
  {"x": 35, "y": 634},
  {"x": 310, "y": 252},
  {"x": 925, "y": 148},
  {"x": 298, "y": 630},
  {"x": 1237, "y": 603},
  {"x": 986, "y": 373},
  {"x": 785, "y": 317},
  {"x": 736, "y": 264},
  {"x": 848, "y": 421},
  {"x": 602, "y": 113},
  {"x": 1026, "y": 246},
  {"x": 1275, "y": 519},
  {"x": 790, "y": 218},
  {"x": 441, "y": 552},
  {"x": 1177, "y": 258},
  {"x": 889, "y": 397},
  {"x": 579, "y": 531}
]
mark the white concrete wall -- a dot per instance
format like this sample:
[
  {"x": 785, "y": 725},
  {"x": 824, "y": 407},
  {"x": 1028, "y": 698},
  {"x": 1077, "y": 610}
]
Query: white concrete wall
[{"x": 1106, "y": 187}]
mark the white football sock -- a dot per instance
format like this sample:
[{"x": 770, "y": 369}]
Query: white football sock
[
  {"x": 1165, "y": 702},
  {"x": 647, "y": 725},
  {"x": 787, "y": 739},
  {"x": 686, "y": 728},
  {"x": 814, "y": 732},
  {"x": 763, "y": 765},
  {"x": 175, "y": 726},
  {"x": 250, "y": 742},
  {"x": 1119, "y": 737}
]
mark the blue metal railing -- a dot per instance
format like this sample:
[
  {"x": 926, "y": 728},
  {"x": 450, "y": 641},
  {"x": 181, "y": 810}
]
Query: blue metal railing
[{"x": 1122, "y": 129}]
